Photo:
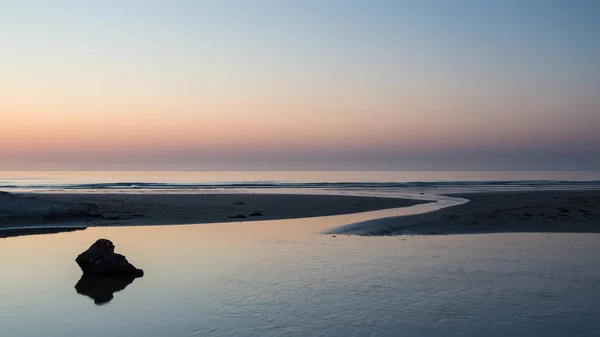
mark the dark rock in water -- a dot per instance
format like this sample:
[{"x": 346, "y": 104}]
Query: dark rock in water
[
  {"x": 102, "y": 288},
  {"x": 239, "y": 216},
  {"x": 256, "y": 214},
  {"x": 101, "y": 259},
  {"x": 239, "y": 203}
]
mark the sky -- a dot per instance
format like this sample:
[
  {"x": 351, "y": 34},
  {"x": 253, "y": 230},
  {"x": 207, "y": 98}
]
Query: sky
[{"x": 313, "y": 84}]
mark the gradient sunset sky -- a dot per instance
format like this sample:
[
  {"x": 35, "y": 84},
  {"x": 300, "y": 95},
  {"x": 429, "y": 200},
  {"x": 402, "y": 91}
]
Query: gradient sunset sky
[{"x": 328, "y": 84}]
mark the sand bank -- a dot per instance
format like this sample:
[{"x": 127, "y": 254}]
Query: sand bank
[
  {"x": 498, "y": 212},
  {"x": 55, "y": 210}
]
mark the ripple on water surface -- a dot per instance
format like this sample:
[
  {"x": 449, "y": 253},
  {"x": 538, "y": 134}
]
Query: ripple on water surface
[{"x": 282, "y": 278}]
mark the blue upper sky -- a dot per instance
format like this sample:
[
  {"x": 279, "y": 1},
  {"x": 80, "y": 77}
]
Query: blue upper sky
[{"x": 300, "y": 84}]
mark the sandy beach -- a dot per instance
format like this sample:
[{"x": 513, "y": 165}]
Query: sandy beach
[
  {"x": 168, "y": 209},
  {"x": 498, "y": 212},
  {"x": 274, "y": 278}
]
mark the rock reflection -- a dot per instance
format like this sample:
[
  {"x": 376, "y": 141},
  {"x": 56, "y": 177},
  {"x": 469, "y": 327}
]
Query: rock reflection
[{"x": 102, "y": 288}]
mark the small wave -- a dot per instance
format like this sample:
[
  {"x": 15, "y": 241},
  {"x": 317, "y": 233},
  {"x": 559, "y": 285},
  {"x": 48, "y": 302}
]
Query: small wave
[{"x": 311, "y": 185}]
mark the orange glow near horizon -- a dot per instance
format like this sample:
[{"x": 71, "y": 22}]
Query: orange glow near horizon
[{"x": 89, "y": 83}]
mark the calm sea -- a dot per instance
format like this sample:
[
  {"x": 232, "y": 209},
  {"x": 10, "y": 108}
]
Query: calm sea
[{"x": 433, "y": 181}]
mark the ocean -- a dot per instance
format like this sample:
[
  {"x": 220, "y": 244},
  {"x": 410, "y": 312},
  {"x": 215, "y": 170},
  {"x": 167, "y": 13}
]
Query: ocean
[{"x": 193, "y": 181}]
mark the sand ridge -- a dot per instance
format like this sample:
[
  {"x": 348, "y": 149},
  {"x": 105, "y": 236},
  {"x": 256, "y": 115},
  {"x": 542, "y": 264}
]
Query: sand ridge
[
  {"x": 168, "y": 209},
  {"x": 497, "y": 212}
]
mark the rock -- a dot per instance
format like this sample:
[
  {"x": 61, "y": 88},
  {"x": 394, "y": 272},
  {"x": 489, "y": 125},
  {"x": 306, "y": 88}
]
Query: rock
[
  {"x": 239, "y": 216},
  {"x": 101, "y": 259},
  {"x": 256, "y": 214}
]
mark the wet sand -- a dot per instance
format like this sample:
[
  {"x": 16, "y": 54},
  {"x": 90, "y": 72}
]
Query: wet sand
[
  {"x": 275, "y": 278},
  {"x": 167, "y": 209},
  {"x": 498, "y": 212}
]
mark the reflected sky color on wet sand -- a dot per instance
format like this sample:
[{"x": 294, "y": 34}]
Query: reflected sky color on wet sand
[{"x": 281, "y": 278}]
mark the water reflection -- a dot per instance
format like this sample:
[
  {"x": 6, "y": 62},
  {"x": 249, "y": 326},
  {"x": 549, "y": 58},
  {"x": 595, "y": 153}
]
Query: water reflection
[
  {"x": 282, "y": 278},
  {"x": 102, "y": 288}
]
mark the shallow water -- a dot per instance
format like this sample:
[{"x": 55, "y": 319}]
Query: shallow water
[{"x": 284, "y": 278}]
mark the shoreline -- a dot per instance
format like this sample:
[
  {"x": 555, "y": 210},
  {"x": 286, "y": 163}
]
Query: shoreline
[
  {"x": 546, "y": 211},
  {"x": 59, "y": 212},
  {"x": 33, "y": 230},
  {"x": 565, "y": 211}
]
